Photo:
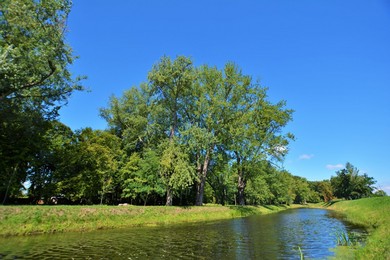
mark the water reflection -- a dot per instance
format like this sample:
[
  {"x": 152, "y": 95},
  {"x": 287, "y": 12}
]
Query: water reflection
[{"x": 275, "y": 236}]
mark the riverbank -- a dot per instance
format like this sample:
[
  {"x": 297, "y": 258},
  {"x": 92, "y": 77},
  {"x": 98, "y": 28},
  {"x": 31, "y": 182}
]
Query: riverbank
[
  {"x": 27, "y": 220},
  {"x": 374, "y": 215}
]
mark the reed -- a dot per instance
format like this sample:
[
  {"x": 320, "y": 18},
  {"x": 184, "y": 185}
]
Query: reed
[
  {"x": 346, "y": 238},
  {"x": 301, "y": 253}
]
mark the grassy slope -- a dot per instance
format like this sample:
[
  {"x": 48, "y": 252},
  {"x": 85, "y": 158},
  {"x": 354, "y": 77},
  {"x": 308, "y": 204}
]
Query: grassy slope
[
  {"x": 373, "y": 213},
  {"x": 24, "y": 220}
]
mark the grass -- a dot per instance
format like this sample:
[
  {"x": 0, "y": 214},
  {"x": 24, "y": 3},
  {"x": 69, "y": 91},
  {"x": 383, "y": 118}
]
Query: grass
[
  {"x": 373, "y": 214},
  {"x": 26, "y": 220}
]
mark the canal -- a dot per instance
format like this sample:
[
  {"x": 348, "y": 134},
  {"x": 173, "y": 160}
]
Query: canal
[{"x": 273, "y": 236}]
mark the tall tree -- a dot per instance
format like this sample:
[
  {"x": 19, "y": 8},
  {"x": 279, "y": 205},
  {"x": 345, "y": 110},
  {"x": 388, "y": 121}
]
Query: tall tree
[
  {"x": 171, "y": 84},
  {"x": 205, "y": 115},
  {"x": 200, "y": 118},
  {"x": 349, "y": 184},
  {"x": 255, "y": 129},
  {"x": 34, "y": 78},
  {"x": 46, "y": 167},
  {"x": 21, "y": 139}
]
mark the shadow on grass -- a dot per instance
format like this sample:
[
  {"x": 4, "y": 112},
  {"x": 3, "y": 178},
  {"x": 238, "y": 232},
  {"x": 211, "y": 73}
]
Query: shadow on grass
[
  {"x": 330, "y": 203},
  {"x": 272, "y": 207},
  {"x": 251, "y": 210},
  {"x": 243, "y": 210}
]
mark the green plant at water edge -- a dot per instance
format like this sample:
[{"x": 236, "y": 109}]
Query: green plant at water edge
[
  {"x": 301, "y": 253},
  {"x": 348, "y": 238}
]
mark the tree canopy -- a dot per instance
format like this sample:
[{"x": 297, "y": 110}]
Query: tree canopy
[
  {"x": 187, "y": 135},
  {"x": 349, "y": 184},
  {"x": 195, "y": 116},
  {"x": 34, "y": 81}
]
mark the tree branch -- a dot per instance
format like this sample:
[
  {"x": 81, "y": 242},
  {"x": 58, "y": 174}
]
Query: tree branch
[{"x": 32, "y": 84}]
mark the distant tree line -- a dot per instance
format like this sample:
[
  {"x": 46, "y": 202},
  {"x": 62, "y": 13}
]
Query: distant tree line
[{"x": 187, "y": 136}]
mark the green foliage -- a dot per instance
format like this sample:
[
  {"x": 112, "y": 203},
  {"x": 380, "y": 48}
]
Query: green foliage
[
  {"x": 221, "y": 117},
  {"x": 141, "y": 176},
  {"x": 34, "y": 57},
  {"x": 128, "y": 118},
  {"x": 302, "y": 190},
  {"x": 171, "y": 84},
  {"x": 21, "y": 140},
  {"x": 223, "y": 181},
  {"x": 186, "y": 126},
  {"x": 349, "y": 184},
  {"x": 323, "y": 189},
  {"x": 257, "y": 191},
  {"x": 34, "y": 83},
  {"x": 176, "y": 170},
  {"x": 89, "y": 166},
  {"x": 380, "y": 193}
]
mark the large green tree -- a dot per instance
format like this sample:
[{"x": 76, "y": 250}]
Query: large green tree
[
  {"x": 21, "y": 142},
  {"x": 204, "y": 120},
  {"x": 349, "y": 184},
  {"x": 54, "y": 156},
  {"x": 254, "y": 130},
  {"x": 34, "y": 81}
]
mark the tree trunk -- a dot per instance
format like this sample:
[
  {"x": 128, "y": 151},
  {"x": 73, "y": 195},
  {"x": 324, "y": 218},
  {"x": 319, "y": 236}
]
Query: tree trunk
[
  {"x": 145, "y": 199},
  {"x": 169, "y": 197},
  {"x": 9, "y": 183},
  {"x": 241, "y": 190},
  {"x": 171, "y": 135},
  {"x": 202, "y": 174},
  {"x": 241, "y": 183},
  {"x": 101, "y": 198},
  {"x": 200, "y": 191}
]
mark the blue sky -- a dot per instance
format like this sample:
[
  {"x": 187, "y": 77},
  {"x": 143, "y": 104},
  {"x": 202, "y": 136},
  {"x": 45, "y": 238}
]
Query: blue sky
[{"x": 330, "y": 60}]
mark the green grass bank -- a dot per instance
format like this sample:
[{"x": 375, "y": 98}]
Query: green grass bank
[
  {"x": 26, "y": 220},
  {"x": 373, "y": 214}
]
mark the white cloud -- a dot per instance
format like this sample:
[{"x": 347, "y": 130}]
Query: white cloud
[
  {"x": 306, "y": 156},
  {"x": 334, "y": 166}
]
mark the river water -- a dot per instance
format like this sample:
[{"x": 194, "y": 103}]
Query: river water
[{"x": 274, "y": 236}]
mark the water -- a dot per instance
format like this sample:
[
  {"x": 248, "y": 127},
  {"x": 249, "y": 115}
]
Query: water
[{"x": 274, "y": 236}]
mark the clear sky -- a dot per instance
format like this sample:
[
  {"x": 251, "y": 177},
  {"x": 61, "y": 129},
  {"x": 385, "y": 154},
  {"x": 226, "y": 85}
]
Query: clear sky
[{"x": 330, "y": 60}]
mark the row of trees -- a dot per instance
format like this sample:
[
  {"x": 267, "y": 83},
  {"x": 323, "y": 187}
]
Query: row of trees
[
  {"x": 152, "y": 154},
  {"x": 188, "y": 135}
]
